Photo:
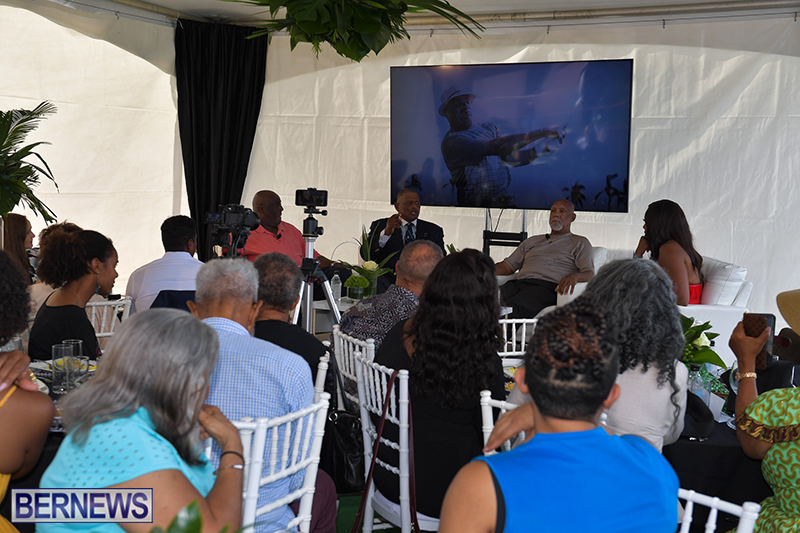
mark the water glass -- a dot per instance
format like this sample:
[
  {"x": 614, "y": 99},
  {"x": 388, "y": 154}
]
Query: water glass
[
  {"x": 61, "y": 365},
  {"x": 77, "y": 346}
]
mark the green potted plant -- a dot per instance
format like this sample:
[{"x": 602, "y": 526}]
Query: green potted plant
[
  {"x": 354, "y": 28},
  {"x": 366, "y": 275},
  {"x": 18, "y": 175},
  {"x": 357, "y": 286}
]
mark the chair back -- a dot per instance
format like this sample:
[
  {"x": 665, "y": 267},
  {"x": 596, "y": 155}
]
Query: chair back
[
  {"x": 373, "y": 380},
  {"x": 283, "y": 458},
  {"x": 345, "y": 347},
  {"x": 319, "y": 380},
  {"x": 104, "y": 315},
  {"x": 173, "y": 300},
  {"x": 516, "y": 334},
  {"x": 488, "y": 404},
  {"x": 747, "y": 512}
]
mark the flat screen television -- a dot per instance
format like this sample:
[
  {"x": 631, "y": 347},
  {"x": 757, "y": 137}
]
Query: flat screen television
[{"x": 516, "y": 135}]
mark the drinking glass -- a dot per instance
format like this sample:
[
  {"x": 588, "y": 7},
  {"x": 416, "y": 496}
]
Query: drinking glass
[
  {"x": 77, "y": 346},
  {"x": 61, "y": 364}
]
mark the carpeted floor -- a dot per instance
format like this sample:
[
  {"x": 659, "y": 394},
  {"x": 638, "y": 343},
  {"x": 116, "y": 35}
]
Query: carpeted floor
[{"x": 346, "y": 516}]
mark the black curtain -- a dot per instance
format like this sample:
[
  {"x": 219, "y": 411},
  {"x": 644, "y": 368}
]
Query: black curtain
[{"x": 220, "y": 76}]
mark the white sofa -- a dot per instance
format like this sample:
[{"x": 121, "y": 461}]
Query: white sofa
[{"x": 724, "y": 301}]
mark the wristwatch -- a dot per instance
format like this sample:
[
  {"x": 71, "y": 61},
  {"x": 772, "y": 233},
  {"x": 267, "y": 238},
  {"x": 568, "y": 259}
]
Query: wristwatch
[{"x": 742, "y": 375}]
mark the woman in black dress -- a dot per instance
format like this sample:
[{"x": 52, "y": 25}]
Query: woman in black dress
[
  {"x": 450, "y": 349},
  {"x": 78, "y": 264}
]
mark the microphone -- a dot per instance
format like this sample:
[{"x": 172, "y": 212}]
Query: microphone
[
  {"x": 546, "y": 236},
  {"x": 279, "y": 236}
]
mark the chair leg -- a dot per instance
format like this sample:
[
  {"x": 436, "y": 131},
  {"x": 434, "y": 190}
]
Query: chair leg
[{"x": 369, "y": 512}]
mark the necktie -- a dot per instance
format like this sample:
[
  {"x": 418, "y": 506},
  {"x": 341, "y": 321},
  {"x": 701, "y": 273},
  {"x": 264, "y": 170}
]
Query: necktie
[{"x": 409, "y": 234}]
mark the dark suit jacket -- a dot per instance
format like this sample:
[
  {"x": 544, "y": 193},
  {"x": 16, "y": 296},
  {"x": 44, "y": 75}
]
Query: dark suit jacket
[{"x": 425, "y": 230}]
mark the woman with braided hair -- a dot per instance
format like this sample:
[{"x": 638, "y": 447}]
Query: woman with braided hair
[{"x": 571, "y": 475}]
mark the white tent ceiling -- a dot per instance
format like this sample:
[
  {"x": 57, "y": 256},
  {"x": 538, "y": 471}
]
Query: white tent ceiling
[{"x": 521, "y": 10}]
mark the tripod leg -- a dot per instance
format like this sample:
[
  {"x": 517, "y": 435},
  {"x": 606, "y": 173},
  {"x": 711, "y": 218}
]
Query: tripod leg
[
  {"x": 296, "y": 312},
  {"x": 307, "y": 304},
  {"x": 326, "y": 288}
]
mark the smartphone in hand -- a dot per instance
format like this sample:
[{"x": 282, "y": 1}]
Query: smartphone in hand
[{"x": 754, "y": 325}]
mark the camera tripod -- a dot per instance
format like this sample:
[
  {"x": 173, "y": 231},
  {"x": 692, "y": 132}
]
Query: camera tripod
[{"x": 312, "y": 273}]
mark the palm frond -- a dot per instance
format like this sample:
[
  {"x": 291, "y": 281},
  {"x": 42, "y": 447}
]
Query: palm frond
[
  {"x": 18, "y": 175},
  {"x": 21, "y": 122}
]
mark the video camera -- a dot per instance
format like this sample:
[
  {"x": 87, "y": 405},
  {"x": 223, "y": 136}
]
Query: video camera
[{"x": 232, "y": 225}]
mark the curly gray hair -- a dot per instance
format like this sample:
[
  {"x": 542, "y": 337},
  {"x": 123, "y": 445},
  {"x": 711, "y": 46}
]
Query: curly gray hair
[{"x": 640, "y": 303}]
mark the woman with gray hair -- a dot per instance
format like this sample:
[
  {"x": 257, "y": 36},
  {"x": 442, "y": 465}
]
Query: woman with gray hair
[
  {"x": 639, "y": 302},
  {"x": 139, "y": 423}
]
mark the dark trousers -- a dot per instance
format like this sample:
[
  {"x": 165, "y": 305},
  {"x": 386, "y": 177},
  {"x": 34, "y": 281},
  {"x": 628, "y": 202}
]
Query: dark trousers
[
  {"x": 528, "y": 296},
  {"x": 323, "y": 509}
]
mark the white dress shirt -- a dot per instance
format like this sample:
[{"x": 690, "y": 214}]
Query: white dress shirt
[
  {"x": 403, "y": 227},
  {"x": 176, "y": 271}
]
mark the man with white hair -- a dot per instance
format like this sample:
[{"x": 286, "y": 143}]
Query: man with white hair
[{"x": 256, "y": 378}]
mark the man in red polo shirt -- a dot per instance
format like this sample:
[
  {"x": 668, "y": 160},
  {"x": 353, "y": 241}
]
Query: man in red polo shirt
[{"x": 275, "y": 235}]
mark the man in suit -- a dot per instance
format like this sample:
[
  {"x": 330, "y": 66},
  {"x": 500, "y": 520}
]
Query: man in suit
[{"x": 390, "y": 235}]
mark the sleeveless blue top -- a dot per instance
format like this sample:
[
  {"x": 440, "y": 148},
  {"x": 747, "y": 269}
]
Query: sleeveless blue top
[{"x": 586, "y": 481}]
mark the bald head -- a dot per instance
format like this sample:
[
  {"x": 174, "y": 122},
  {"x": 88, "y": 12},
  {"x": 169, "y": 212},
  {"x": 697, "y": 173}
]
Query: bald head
[
  {"x": 562, "y": 214},
  {"x": 416, "y": 263},
  {"x": 267, "y": 205}
]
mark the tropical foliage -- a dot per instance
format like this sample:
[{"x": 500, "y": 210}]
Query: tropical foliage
[
  {"x": 370, "y": 269},
  {"x": 354, "y": 28},
  {"x": 18, "y": 175}
]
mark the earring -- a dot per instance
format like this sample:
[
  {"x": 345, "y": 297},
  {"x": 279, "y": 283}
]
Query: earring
[{"x": 97, "y": 289}]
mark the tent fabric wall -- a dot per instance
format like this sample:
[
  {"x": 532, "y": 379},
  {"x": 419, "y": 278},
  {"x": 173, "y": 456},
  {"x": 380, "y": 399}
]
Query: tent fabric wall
[
  {"x": 714, "y": 126},
  {"x": 114, "y": 148}
]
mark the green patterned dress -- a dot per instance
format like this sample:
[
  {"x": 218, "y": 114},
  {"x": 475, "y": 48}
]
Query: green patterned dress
[{"x": 775, "y": 417}]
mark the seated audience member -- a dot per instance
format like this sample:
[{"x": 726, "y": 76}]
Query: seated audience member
[
  {"x": 548, "y": 264},
  {"x": 256, "y": 378},
  {"x": 279, "y": 281},
  {"x": 766, "y": 426},
  {"x": 571, "y": 475},
  {"x": 373, "y": 317},
  {"x": 669, "y": 240},
  {"x": 78, "y": 265},
  {"x": 17, "y": 240},
  {"x": 390, "y": 235},
  {"x": 176, "y": 271},
  {"x": 138, "y": 423},
  {"x": 638, "y": 302},
  {"x": 450, "y": 349},
  {"x": 25, "y": 413}
]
